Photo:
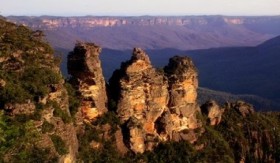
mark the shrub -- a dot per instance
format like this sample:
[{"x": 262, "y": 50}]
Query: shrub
[
  {"x": 74, "y": 99},
  {"x": 47, "y": 127},
  {"x": 59, "y": 144},
  {"x": 58, "y": 112},
  {"x": 37, "y": 80}
]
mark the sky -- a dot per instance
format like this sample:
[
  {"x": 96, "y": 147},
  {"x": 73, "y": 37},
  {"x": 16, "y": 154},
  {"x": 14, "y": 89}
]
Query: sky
[{"x": 138, "y": 7}]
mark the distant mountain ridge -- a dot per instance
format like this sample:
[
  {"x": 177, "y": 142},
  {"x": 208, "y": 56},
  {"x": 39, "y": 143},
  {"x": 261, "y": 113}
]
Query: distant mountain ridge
[{"x": 156, "y": 32}]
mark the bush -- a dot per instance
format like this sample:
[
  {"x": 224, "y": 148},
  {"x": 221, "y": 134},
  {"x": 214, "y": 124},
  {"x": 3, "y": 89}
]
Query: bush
[
  {"x": 62, "y": 114},
  {"x": 171, "y": 152},
  {"x": 37, "y": 80},
  {"x": 109, "y": 118},
  {"x": 28, "y": 66},
  {"x": 58, "y": 112},
  {"x": 47, "y": 127},
  {"x": 74, "y": 99},
  {"x": 59, "y": 144},
  {"x": 13, "y": 93}
]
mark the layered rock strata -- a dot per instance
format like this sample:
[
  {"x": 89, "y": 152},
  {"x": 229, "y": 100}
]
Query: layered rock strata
[
  {"x": 153, "y": 104},
  {"x": 143, "y": 97},
  {"x": 183, "y": 108},
  {"x": 85, "y": 67}
]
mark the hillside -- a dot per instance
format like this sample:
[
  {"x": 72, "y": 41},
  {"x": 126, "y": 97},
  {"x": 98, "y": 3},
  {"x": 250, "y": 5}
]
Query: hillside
[
  {"x": 35, "y": 121},
  {"x": 152, "y": 32}
]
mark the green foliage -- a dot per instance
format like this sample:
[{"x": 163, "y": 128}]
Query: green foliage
[
  {"x": 3, "y": 126},
  {"x": 59, "y": 144},
  {"x": 28, "y": 71},
  {"x": 27, "y": 67},
  {"x": 37, "y": 80},
  {"x": 107, "y": 154},
  {"x": 246, "y": 134},
  {"x": 19, "y": 140},
  {"x": 35, "y": 154},
  {"x": 15, "y": 37},
  {"x": 47, "y": 127},
  {"x": 14, "y": 93},
  {"x": 216, "y": 147},
  {"x": 74, "y": 99},
  {"x": 172, "y": 152},
  {"x": 89, "y": 134},
  {"x": 58, "y": 112},
  {"x": 108, "y": 118}
]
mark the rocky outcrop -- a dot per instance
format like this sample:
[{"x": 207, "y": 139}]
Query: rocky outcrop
[
  {"x": 85, "y": 67},
  {"x": 143, "y": 97},
  {"x": 154, "y": 104},
  {"x": 183, "y": 108},
  {"x": 243, "y": 108},
  {"x": 213, "y": 112}
]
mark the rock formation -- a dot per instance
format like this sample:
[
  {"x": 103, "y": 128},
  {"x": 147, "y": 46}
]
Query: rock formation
[
  {"x": 183, "y": 109},
  {"x": 85, "y": 67},
  {"x": 143, "y": 97},
  {"x": 213, "y": 111},
  {"x": 147, "y": 106},
  {"x": 153, "y": 104},
  {"x": 243, "y": 108}
]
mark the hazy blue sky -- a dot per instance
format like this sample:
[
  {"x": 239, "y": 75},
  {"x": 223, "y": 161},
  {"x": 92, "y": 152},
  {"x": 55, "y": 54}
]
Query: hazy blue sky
[{"x": 139, "y": 7}]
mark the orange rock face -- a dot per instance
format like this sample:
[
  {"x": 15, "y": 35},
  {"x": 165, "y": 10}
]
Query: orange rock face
[
  {"x": 153, "y": 104},
  {"x": 213, "y": 111},
  {"x": 85, "y": 67},
  {"x": 183, "y": 109}
]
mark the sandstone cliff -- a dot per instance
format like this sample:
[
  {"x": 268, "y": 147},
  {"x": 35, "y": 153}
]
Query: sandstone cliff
[
  {"x": 85, "y": 67},
  {"x": 154, "y": 32},
  {"x": 90, "y": 21},
  {"x": 183, "y": 108},
  {"x": 142, "y": 98},
  {"x": 153, "y": 104}
]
